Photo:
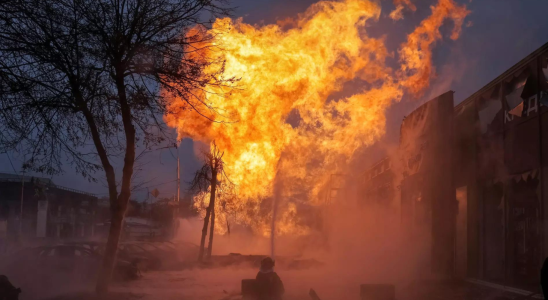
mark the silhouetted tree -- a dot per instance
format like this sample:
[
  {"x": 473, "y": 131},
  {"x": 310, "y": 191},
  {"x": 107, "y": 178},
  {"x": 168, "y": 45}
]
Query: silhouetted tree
[
  {"x": 210, "y": 180},
  {"x": 78, "y": 75}
]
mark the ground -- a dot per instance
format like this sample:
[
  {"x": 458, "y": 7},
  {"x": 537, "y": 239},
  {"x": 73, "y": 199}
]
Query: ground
[{"x": 225, "y": 284}]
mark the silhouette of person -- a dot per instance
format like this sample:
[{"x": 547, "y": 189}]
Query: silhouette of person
[
  {"x": 7, "y": 290},
  {"x": 269, "y": 284}
]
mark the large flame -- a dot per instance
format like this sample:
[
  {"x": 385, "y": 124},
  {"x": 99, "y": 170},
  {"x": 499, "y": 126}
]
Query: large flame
[
  {"x": 282, "y": 122},
  {"x": 397, "y": 14}
]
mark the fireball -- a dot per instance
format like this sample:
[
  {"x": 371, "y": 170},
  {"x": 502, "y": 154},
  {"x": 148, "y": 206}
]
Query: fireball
[{"x": 281, "y": 120}]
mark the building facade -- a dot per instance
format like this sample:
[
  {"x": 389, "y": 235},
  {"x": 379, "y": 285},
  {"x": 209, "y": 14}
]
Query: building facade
[
  {"x": 378, "y": 184},
  {"x": 475, "y": 176},
  {"x": 33, "y": 208},
  {"x": 500, "y": 163}
]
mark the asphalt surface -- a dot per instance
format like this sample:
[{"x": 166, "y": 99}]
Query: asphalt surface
[{"x": 224, "y": 285}]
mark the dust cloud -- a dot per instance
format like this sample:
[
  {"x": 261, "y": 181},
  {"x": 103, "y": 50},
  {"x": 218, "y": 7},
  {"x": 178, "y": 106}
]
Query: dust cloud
[{"x": 357, "y": 244}]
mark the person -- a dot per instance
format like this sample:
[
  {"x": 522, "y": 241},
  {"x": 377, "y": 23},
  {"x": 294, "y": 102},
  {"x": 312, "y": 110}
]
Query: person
[
  {"x": 7, "y": 290},
  {"x": 544, "y": 278},
  {"x": 269, "y": 284}
]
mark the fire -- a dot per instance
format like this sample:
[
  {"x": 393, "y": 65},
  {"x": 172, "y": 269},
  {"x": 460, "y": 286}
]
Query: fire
[
  {"x": 281, "y": 121},
  {"x": 397, "y": 14}
]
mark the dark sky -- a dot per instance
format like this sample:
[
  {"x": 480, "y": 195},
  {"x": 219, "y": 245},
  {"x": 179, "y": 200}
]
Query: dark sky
[{"x": 502, "y": 33}]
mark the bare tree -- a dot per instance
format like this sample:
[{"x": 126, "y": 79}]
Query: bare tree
[
  {"x": 210, "y": 179},
  {"x": 84, "y": 82}
]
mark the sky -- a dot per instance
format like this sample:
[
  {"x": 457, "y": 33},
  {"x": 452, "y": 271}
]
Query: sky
[{"x": 502, "y": 32}]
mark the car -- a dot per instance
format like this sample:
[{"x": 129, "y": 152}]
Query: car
[
  {"x": 137, "y": 256},
  {"x": 91, "y": 245},
  {"x": 140, "y": 261},
  {"x": 160, "y": 255},
  {"x": 73, "y": 262},
  {"x": 186, "y": 251},
  {"x": 150, "y": 255}
]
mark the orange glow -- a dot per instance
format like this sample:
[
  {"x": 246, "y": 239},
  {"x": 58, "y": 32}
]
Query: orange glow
[
  {"x": 291, "y": 74},
  {"x": 397, "y": 14},
  {"x": 416, "y": 54}
]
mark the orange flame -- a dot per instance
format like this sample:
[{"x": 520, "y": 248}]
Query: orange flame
[
  {"x": 416, "y": 54},
  {"x": 281, "y": 121},
  {"x": 397, "y": 14}
]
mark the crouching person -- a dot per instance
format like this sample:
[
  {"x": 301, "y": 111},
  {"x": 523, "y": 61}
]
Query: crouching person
[
  {"x": 269, "y": 285},
  {"x": 7, "y": 290}
]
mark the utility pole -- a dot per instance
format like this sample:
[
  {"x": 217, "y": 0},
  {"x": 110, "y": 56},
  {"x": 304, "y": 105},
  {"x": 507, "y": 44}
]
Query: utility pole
[
  {"x": 176, "y": 146},
  {"x": 177, "y": 203},
  {"x": 176, "y": 200},
  {"x": 147, "y": 205},
  {"x": 22, "y": 198},
  {"x": 178, "y": 176}
]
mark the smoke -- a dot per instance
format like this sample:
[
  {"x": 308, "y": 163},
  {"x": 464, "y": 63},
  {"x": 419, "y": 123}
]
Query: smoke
[
  {"x": 39, "y": 281},
  {"x": 359, "y": 244}
]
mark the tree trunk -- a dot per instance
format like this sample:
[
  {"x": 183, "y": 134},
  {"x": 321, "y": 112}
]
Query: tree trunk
[
  {"x": 212, "y": 230},
  {"x": 119, "y": 205},
  {"x": 118, "y": 213},
  {"x": 212, "y": 209},
  {"x": 109, "y": 258},
  {"x": 204, "y": 234}
]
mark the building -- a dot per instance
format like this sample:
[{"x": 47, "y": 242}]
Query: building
[
  {"x": 379, "y": 183},
  {"x": 500, "y": 159},
  {"x": 472, "y": 177},
  {"x": 47, "y": 210}
]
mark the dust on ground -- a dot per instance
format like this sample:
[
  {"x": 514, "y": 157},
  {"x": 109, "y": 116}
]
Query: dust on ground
[{"x": 225, "y": 285}]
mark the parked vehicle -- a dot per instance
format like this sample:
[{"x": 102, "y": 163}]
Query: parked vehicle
[
  {"x": 68, "y": 261},
  {"x": 186, "y": 251},
  {"x": 91, "y": 245},
  {"x": 139, "y": 256}
]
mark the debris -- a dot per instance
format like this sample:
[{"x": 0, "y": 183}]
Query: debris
[{"x": 313, "y": 295}]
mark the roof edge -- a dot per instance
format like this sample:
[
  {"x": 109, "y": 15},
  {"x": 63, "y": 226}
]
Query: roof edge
[{"x": 533, "y": 55}]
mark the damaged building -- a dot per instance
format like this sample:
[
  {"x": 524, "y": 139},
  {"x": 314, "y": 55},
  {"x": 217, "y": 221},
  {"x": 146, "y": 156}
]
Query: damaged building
[
  {"x": 481, "y": 198},
  {"x": 34, "y": 208}
]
